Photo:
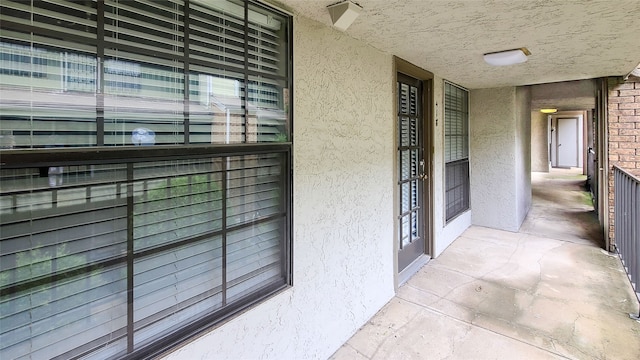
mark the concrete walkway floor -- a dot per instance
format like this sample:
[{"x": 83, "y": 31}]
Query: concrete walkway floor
[{"x": 546, "y": 292}]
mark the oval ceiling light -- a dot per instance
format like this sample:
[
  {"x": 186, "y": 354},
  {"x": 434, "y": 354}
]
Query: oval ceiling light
[
  {"x": 548, "y": 111},
  {"x": 507, "y": 57}
]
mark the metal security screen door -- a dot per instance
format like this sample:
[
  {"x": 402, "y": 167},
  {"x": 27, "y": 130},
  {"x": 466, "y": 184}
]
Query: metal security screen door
[{"x": 411, "y": 174}]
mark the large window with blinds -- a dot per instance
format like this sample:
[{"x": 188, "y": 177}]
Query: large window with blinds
[
  {"x": 456, "y": 150},
  {"x": 145, "y": 186}
]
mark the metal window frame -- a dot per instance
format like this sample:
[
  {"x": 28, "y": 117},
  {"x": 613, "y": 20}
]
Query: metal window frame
[
  {"x": 100, "y": 154},
  {"x": 467, "y": 184}
]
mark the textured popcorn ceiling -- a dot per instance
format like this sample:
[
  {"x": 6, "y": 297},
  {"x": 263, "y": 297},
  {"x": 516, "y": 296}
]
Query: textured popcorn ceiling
[{"x": 568, "y": 39}]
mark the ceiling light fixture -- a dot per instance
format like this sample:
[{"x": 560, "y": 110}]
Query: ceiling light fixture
[
  {"x": 343, "y": 14},
  {"x": 548, "y": 111},
  {"x": 507, "y": 57}
]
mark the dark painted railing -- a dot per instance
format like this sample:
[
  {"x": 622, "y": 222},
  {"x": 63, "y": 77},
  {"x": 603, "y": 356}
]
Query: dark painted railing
[{"x": 627, "y": 223}]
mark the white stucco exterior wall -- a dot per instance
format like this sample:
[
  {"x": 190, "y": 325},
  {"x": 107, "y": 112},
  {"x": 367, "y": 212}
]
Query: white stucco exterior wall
[
  {"x": 539, "y": 141},
  {"x": 444, "y": 233},
  {"x": 499, "y": 156},
  {"x": 523, "y": 152},
  {"x": 343, "y": 207}
]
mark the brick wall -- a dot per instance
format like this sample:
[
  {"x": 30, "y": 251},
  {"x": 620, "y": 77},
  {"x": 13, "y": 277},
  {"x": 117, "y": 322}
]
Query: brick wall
[{"x": 624, "y": 133}]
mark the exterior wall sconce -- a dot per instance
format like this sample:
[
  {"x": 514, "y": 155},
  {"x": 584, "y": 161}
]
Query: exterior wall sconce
[
  {"x": 343, "y": 14},
  {"x": 507, "y": 57},
  {"x": 548, "y": 111}
]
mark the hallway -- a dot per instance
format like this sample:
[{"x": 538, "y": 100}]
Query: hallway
[{"x": 546, "y": 292}]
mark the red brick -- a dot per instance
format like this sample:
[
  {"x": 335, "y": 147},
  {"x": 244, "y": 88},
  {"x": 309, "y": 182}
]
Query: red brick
[
  {"x": 634, "y": 92},
  {"x": 621, "y": 99},
  {"x": 621, "y": 138},
  {"x": 612, "y": 106},
  {"x": 633, "y": 105},
  {"x": 613, "y": 157},
  {"x": 623, "y": 125},
  {"x": 632, "y": 119},
  {"x": 637, "y": 84},
  {"x": 627, "y": 112},
  {"x": 613, "y": 145},
  {"x": 618, "y": 99},
  {"x": 637, "y": 124},
  {"x": 634, "y": 158},
  {"x": 627, "y": 145},
  {"x": 629, "y": 131},
  {"x": 624, "y": 151},
  {"x": 622, "y": 86},
  {"x": 626, "y": 164},
  {"x": 637, "y": 111},
  {"x": 637, "y": 97}
]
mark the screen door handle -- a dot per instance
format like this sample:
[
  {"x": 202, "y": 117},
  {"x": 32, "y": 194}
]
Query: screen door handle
[{"x": 422, "y": 175}]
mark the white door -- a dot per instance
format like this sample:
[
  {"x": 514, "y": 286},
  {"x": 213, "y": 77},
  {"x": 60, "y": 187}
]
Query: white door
[{"x": 567, "y": 142}]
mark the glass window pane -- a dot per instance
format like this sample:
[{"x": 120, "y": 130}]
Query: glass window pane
[
  {"x": 176, "y": 287},
  {"x": 143, "y": 103},
  {"x": 190, "y": 235},
  {"x": 405, "y": 225},
  {"x": 216, "y": 32},
  {"x": 216, "y": 107},
  {"x": 268, "y": 110},
  {"x": 268, "y": 50},
  {"x": 48, "y": 97},
  {"x": 254, "y": 188},
  {"x": 456, "y": 150},
  {"x": 63, "y": 238},
  {"x": 255, "y": 258},
  {"x": 175, "y": 201}
]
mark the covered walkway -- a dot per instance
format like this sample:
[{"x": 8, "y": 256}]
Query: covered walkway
[{"x": 546, "y": 292}]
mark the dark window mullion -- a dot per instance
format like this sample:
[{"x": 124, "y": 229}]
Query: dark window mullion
[
  {"x": 130, "y": 258},
  {"x": 223, "y": 194},
  {"x": 246, "y": 70},
  {"x": 99, "y": 74},
  {"x": 186, "y": 80}
]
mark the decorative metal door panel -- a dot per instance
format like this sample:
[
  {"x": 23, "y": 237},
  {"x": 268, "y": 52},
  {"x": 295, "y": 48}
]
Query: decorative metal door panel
[{"x": 411, "y": 174}]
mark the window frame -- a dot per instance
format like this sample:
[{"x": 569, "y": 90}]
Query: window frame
[
  {"x": 458, "y": 162},
  {"x": 101, "y": 154}
]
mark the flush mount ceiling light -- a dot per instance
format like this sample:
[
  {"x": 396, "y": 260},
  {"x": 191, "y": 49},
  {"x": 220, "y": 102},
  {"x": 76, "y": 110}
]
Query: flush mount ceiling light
[
  {"x": 548, "y": 111},
  {"x": 343, "y": 14},
  {"x": 507, "y": 57}
]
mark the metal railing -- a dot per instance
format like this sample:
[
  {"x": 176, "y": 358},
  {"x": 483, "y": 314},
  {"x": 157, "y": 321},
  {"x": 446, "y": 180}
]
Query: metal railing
[{"x": 627, "y": 223}]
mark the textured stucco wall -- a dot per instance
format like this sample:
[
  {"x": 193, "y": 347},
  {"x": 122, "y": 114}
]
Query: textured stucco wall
[
  {"x": 523, "y": 152},
  {"x": 343, "y": 207},
  {"x": 539, "y": 142},
  {"x": 444, "y": 233},
  {"x": 567, "y": 95},
  {"x": 494, "y": 185}
]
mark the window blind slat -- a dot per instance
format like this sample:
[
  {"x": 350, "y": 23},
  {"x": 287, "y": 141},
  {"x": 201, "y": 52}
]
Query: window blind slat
[
  {"x": 66, "y": 230},
  {"x": 456, "y": 148}
]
